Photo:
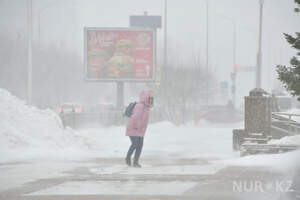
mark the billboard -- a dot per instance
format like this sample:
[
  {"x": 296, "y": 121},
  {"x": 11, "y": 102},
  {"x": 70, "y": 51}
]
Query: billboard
[{"x": 119, "y": 54}]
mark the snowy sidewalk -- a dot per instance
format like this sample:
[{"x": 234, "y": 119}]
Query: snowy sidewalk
[{"x": 111, "y": 179}]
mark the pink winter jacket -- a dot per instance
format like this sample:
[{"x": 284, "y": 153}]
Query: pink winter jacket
[{"x": 137, "y": 123}]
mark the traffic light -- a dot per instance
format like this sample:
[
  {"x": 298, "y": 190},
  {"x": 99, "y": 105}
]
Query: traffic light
[{"x": 235, "y": 67}]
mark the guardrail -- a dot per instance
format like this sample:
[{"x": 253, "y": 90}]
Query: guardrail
[
  {"x": 290, "y": 126},
  {"x": 175, "y": 114},
  {"x": 105, "y": 118},
  {"x": 78, "y": 120}
]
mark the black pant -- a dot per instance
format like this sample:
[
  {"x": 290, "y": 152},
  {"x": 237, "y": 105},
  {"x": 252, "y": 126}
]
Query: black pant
[{"x": 137, "y": 145}]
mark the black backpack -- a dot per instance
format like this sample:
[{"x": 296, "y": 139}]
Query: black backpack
[{"x": 129, "y": 109}]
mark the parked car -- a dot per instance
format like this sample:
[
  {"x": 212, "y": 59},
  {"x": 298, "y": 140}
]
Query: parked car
[{"x": 67, "y": 108}]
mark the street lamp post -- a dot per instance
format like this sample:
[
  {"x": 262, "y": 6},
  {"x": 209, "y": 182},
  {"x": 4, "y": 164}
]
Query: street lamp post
[
  {"x": 207, "y": 49},
  {"x": 233, "y": 90},
  {"x": 234, "y": 72},
  {"x": 165, "y": 36},
  {"x": 259, "y": 53},
  {"x": 40, "y": 12},
  {"x": 29, "y": 58}
]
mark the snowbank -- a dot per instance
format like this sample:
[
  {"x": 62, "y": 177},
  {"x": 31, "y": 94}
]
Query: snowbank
[
  {"x": 26, "y": 129},
  {"x": 289, "y": 140},
  {"x": 294, "y": 111},
  {"x": 280, "y": 162}
]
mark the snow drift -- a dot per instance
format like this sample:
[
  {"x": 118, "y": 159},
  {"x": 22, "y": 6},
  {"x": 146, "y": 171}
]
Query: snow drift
[
  {"x": 285, "y": 162},
  {"x": 27, "y": 127},
  {"x": 289, "y": 140}
]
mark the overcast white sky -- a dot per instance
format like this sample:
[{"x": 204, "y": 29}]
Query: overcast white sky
[{"x": 61, "y": 22}]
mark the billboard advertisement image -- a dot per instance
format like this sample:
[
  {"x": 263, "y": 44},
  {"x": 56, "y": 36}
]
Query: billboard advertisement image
[{"x": 119, "y": 54}]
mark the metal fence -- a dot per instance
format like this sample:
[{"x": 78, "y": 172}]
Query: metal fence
[
  {"x": 286, "y": 122},
  {"x": 176, "y": 115},
  {"x": 79, "y": 120}
]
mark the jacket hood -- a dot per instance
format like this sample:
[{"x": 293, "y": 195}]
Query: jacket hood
[{"x": 144, "y": 97}]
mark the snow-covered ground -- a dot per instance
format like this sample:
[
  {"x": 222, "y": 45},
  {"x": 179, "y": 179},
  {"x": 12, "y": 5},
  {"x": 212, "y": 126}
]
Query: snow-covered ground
[
  {"x": 285, "y": 162},
  {"x": 165, "y": 139},
  {"x": 118, "y": 188},
  {"x": 35, "y": 149},
  {"x": 28, "y": 133},
  {"x": 15, "y": 175},
  {"x": 295, "y": 111},
  {"x": 289, "y": 140}
]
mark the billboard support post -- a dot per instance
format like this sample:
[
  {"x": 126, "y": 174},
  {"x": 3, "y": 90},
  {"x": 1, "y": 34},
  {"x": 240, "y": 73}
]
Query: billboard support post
[{"x": 120, "y": 95}]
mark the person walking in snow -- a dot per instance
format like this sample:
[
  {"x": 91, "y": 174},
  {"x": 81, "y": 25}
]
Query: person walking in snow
[{"x": 137, "y": 125}]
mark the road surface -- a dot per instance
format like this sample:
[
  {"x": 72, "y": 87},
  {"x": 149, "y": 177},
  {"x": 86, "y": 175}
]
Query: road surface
[{"x": 160, "y": 178}]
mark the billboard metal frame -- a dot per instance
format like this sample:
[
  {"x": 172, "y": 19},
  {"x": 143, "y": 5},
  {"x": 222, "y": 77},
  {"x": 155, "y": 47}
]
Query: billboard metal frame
[{"x": 153, "y": 79}]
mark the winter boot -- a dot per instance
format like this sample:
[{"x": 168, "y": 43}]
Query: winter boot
[
  {"x": 137, "y": 165},
  {"x": 128, "y": 161}
]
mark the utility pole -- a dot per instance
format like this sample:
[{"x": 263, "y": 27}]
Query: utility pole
[
  {"x": 29, "y": 60},
  {"x": 165, "y": 36},
  {"x": 259, "y": 53},
  {"x": 40, "y": 11},
  {"x": 234, "y": 73},
  {"x": 207, "y": 50},
  {"x": 234, "y": 70}
]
